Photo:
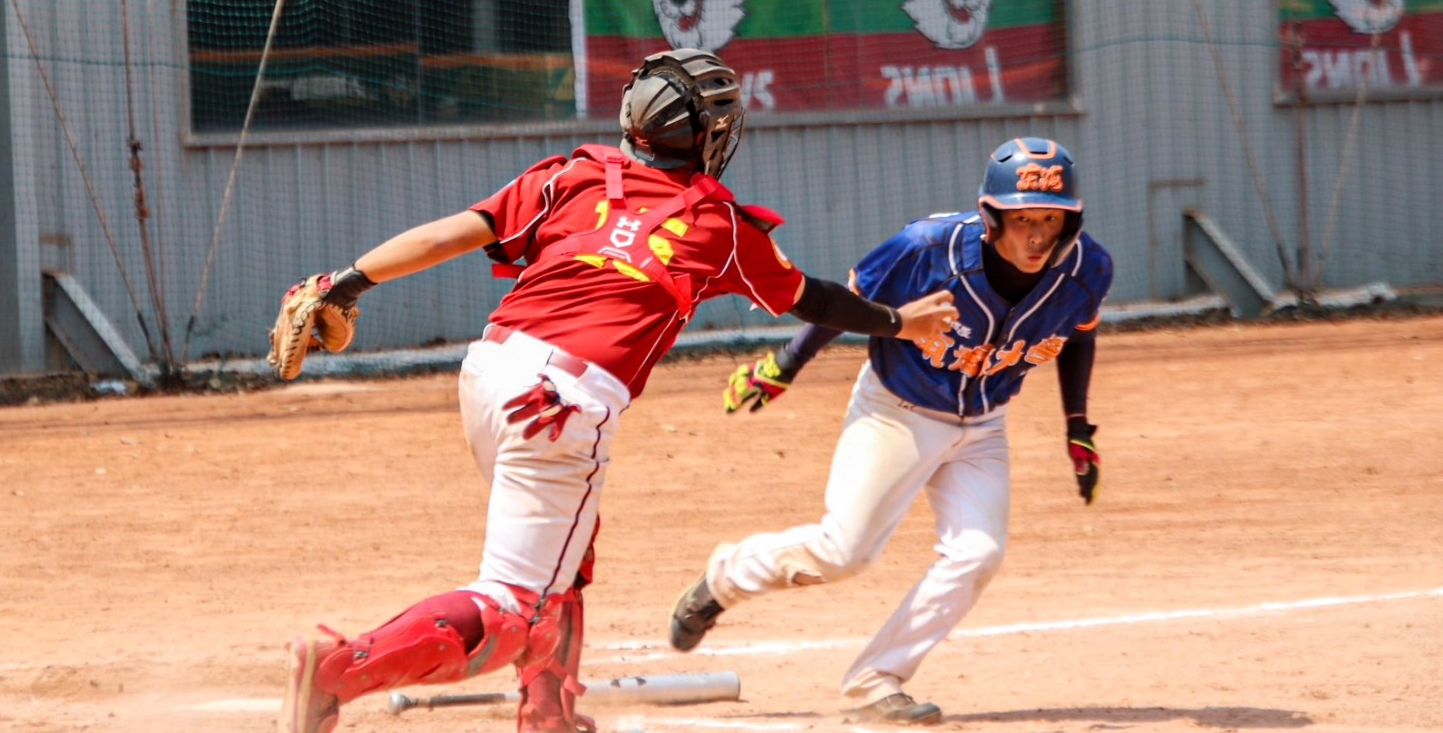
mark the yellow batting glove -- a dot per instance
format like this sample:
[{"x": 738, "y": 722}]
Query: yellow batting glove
[{"x": 757, "y": 383}]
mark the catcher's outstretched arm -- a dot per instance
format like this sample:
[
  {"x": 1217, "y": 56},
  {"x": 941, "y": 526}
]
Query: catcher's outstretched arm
[
  {"x": 831, "y": 304},
  {"x": 426, "y": 246},
  {"x": 320, "y": 312}
]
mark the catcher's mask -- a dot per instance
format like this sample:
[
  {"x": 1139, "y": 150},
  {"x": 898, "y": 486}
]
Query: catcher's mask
[
  {"x": 682, "y": 108},
  {"x": 1028, "y": 173}
]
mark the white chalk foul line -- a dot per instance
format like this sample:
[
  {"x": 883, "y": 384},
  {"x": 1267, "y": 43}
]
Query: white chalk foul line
[
  {"x": 643, "y": 724},
  {"x": 653, "y": 651},
  {"x": 787, "y": 647}
]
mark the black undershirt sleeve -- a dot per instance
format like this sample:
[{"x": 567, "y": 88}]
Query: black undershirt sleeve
[
  {"x": 803, "y": 347},
  {"x": 1074, "y": 372},
  {"x": 831, "y": 304}
]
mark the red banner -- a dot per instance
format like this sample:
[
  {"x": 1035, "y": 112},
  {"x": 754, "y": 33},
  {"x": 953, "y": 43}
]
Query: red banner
[
  {"x": 873, "y": 71},
  {"x": 1332, "y": 56}
]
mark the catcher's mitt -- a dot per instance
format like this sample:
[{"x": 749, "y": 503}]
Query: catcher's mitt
[{"x": 308, "y": 322}]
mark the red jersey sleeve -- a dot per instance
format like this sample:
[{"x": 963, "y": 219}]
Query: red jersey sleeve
[
  {"x": 520, "y": 205},
  {"x": 763, "y": 273}
]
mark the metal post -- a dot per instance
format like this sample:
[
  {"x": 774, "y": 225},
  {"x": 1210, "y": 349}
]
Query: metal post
[
  {"x": 1305, "y": 286},
  {"x": 22, "y": 320}
]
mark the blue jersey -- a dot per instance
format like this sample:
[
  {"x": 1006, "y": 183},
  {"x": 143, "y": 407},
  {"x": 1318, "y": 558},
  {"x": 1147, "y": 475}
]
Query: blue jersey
[{"x": 979, "y": 365}]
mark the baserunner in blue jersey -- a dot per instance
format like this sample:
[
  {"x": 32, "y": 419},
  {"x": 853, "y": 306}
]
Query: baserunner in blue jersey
[{"x": 931, "y": 414}]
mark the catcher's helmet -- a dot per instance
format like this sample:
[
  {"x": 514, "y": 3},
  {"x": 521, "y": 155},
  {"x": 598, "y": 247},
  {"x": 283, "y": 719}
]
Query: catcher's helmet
[
  {"x": 1027, "y": 173},
  {"x": 682, "y": 108}
]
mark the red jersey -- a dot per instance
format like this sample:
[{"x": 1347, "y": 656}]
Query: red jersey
[{"x": 602, "y": 310}]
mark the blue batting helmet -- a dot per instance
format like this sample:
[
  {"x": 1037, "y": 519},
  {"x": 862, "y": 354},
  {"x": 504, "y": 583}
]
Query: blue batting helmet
[{"x": 1028, "y": 173}]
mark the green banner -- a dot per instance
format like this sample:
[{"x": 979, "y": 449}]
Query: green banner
[
  {"x": 1321, "y": 9},
  {"x": 791, "y": 18}
]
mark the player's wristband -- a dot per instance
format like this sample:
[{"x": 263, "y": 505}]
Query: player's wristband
[{"x": 347, "y": 286}]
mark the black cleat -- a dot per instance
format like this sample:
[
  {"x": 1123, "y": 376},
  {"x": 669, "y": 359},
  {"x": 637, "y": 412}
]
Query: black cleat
[
  {"x": 900, "y": 709},
  {"x": 694, "y": 615}
]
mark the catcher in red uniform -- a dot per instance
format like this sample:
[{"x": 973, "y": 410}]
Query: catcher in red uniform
[{"x": 612, "y": 249}]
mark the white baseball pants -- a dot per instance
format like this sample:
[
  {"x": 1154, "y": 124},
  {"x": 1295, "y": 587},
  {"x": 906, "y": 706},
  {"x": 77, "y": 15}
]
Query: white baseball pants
[
  {"x": 544, "y": 494},
  {"x": 888, "y": 452}
]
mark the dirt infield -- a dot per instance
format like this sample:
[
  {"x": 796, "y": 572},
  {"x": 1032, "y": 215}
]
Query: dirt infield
[{"x": 1266, "y": 555}]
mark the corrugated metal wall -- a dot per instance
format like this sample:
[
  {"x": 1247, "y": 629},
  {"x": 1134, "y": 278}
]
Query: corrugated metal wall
[{"x": 1154, "y": 129}]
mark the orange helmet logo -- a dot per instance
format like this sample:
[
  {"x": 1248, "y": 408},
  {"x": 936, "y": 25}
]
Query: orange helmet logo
[{"x": 1033, "y": 177}]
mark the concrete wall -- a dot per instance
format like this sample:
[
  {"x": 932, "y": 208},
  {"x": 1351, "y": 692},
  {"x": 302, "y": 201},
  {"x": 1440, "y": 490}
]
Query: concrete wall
[{"x": 1160, "y": 119}]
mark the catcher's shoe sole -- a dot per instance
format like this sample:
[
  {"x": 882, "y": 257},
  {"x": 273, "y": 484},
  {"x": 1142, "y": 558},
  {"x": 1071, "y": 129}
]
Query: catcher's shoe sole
[{"x": 297, "y": 715}]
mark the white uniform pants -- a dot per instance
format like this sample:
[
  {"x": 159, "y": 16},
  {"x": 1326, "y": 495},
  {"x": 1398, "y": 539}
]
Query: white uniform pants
[
  {"x": 888, "y": 452},
  {"x": 544, "y": 494}
]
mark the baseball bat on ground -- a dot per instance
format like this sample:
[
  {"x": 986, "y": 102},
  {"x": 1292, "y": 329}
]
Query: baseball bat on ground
[{"x": 669, "y": 689}]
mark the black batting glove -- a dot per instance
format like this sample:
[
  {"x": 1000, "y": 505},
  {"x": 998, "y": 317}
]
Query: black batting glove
[{"x": 1085, "y": 460}]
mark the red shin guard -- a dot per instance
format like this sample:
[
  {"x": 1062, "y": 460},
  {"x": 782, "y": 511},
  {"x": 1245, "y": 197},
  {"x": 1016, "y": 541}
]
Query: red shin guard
[{"x": 549, "y": 684}]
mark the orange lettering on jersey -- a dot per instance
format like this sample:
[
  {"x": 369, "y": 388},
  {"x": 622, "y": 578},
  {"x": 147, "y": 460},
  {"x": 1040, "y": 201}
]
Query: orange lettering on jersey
[
  {"x": 934, "y": 348},
  {"x": 1007, "y": 357},
  {"x": 969, "y": 360},
  {"x": 1045, "y": 351},
  {"x": 1033, "y": 177}
]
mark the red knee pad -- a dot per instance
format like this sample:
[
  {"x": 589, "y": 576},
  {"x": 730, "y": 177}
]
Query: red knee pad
[
  {"x": 445, "y": 638},
  {"x": 507, "y": 636}
]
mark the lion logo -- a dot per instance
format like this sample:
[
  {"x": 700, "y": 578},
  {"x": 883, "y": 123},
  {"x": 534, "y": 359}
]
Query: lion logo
[
  {"x": 1369, "y": 16},
  {"x": 705, "y": 24},
  {"x": 951, "y": 24}
]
